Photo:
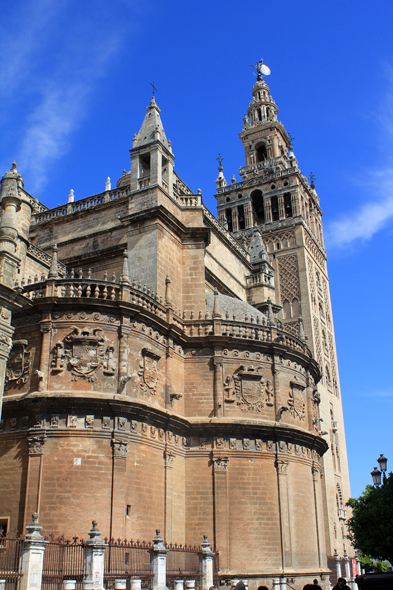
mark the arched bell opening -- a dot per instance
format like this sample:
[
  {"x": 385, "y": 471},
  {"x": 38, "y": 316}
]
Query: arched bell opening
[{"x": 257, "y": 206}]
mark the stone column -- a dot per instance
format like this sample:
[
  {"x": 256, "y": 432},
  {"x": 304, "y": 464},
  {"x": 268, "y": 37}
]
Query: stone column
[
  {"x": 94, "y": 560},
  {"x": 283, "y": 583},
  {"x": 221, "y": 509},
  {"x": 267, "y": 205},
  {"x": 45, "y": 365},
  {"x": 338, "y": 564},
  {"x": 281, "y": 209},
  {"x": 286, "y": 548},
  {"x": 179, "y": 585},
  {"x": 206, "y": 562},
  {"x": 218, "y": 403},
  {"x": 347, "y": 568},
  {"x": 158, "y": 562},
  {"x": 119, "y": 474},
  {"x": 248, "y": 216},
  {"x": 235, "y": 219},
  {"x": 35, "y": 464},
  {"x": 316, "y": 473},
  {"x": 168, "y": 510},
  {"x": 32, "y": 559},
  {"x": 295, "y": 204}
]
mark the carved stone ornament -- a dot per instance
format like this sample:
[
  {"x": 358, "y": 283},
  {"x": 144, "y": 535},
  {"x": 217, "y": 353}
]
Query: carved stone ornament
[
  {"x": 148, "y": 371},
  {"x": 282, "y": 467},
  {"x": 36, "y": 445},
  {"x": 84, "y": 352},
  {"x": 221, "y": 463},
  {"x": 19, "y": 363},
  {"x": 168, "y": 457},
  {"x": 120, "y": 447},
  {"x": 249, "y": 389},
  {"x": 296, "y": 401}
]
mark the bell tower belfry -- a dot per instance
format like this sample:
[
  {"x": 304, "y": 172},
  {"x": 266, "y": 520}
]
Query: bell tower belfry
[
  {"x": 276, "y": 200},
  {"x": 152, "y": 159}
]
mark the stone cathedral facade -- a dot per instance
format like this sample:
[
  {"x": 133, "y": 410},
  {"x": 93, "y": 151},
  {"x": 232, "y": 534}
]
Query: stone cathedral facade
[{"x": 163, "y": 368}]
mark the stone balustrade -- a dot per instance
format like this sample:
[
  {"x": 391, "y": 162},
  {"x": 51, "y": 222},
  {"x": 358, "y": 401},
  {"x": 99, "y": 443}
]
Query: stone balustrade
[
  {"x": 249, "y": 327},
  {"x": 81, "y": 205},
  {"x": 260, "y": 278}
]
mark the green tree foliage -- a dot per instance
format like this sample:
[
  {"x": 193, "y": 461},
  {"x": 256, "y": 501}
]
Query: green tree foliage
[
  {"x": 373, "y": 566},
  {"x": 371, "y": 526}
]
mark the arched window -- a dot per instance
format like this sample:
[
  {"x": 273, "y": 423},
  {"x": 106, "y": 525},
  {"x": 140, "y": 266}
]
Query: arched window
[
  {"x": 275, "y": 210},
  {"x": 287, "y": 309},
  {"x": 257, "y": 206},
  {"x": 241, "y": 218},
  {"x": 327, "y": 376},
  {"x": 287, "y": 204},
  {"x": 228, "y": 215},
  {"x": 295, "y": 308},
  {"x": 261, "y": 152}
]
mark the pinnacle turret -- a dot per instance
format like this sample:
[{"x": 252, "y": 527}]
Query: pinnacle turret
[{"x": 152, "y": 128}]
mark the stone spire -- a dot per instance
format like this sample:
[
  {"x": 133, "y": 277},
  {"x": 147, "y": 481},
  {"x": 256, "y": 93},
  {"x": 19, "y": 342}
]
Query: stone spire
[
  {"x": 220, "y": 182},
  {"x": 152, "y": 127},
  {"x": 262, "y": 108},
  {"x": 257, "y": 249}
]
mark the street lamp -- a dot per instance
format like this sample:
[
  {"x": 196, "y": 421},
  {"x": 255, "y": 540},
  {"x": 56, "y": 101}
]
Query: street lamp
[
  {"x": 376, "y": 473},
  {"x": 382, "y": 461}
]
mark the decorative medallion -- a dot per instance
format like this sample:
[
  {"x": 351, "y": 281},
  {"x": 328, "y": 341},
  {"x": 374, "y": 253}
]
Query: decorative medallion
[{"x": 248, "y": 387}]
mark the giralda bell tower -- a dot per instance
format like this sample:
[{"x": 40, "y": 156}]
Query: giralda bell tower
[{"x": 275, "y": 197}]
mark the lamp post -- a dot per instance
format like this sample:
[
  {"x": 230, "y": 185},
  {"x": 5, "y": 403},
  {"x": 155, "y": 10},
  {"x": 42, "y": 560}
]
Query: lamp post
[{"x": 376, "y": 473}]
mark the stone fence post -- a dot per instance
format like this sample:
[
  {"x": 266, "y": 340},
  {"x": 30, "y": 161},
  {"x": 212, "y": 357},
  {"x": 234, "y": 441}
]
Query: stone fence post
[
  {"x": 206, "y": 564},
  {"x": 32, "y": 559},
  {"x": 94, "y": 560},
  {"x": 158, "y": 562}
]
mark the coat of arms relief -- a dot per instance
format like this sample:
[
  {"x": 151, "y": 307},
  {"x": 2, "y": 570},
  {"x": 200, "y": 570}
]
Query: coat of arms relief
[
  {"x": 148, "y": 371},
  {"x": 84, "y": 352},
  {"x": 249, "y": 389},
  {"x": 296, "y": 401},
  {"x": 19, "y": 363}
]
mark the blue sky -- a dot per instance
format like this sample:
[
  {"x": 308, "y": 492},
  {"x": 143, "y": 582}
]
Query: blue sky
[{"x": 74, "y": 84}]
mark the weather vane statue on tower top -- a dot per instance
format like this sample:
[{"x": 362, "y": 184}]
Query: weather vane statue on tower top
[{"x": 261, "y": 69}]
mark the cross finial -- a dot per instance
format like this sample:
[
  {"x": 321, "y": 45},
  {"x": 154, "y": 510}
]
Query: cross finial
[
  {"x": 312, "y": 180},
  {"x": 220, "y": 160},
  {"x": 154, "y": 88}
]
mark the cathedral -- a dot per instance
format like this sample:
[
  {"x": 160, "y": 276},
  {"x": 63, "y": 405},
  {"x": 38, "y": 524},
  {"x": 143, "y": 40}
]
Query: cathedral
[{"x": 162, "y": 367}]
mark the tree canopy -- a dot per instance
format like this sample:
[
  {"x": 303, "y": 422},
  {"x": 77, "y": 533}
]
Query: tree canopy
[{"x": 371, "y": 526}]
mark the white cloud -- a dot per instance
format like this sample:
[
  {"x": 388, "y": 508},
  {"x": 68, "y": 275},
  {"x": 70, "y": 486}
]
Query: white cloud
[
  {"x": 369, "y": 219},
  {"x": 377, "y": 212},
  {"x": 51, "y": 65}
]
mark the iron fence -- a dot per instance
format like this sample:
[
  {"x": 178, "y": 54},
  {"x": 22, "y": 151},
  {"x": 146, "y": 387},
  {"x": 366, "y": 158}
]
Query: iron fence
[
  {"x": 64, "y": 560},
  {"x": 10, "y": 562},
  {"x": 127, "y": 560}
]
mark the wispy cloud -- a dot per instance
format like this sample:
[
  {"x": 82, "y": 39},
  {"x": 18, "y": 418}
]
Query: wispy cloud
[
  {"x": 376, "y": 212},
  {"x": 51, "y": 59},
  {"x": 370, "y": 218},
  {"x": 378, "y": 394}
]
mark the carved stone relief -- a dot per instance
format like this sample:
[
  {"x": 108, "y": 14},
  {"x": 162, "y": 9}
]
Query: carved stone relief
[
  {"x": 249, "y": 389},
  {"x": 84, "y": 352},
  {"x": 221, "y": 464},
  {"x": 36, "y": 445},
  {"x": 296, "y": 401},
  {"x": 19, "y": 363},
  {"x": 148, "y": 371}
]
